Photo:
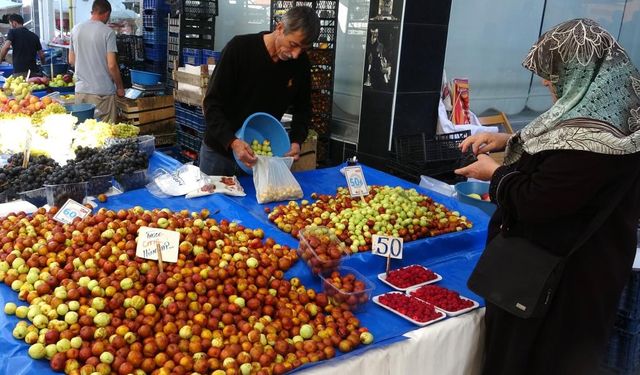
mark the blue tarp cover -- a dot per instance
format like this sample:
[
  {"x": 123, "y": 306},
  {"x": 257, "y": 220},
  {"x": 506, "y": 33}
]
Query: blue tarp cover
[{"x": 452, "y": 255}]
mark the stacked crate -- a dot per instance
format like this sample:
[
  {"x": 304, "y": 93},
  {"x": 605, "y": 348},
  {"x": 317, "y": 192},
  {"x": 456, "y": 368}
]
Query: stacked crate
[
  {"x": 155, "y": 29},
  {"x": 322, "y": 57},
  {"x": 154, "y": 115},
  {"x": 623, "y": 349},
  {"x": 191, "y": 28},
  {"x": 190, "y": 125},
  {"x": 130, "y": 56}
]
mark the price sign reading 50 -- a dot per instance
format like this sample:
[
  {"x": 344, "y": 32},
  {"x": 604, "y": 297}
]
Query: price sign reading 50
[
  {"x": 387, "y": 246},
  {"x": 355, "y": 181}
]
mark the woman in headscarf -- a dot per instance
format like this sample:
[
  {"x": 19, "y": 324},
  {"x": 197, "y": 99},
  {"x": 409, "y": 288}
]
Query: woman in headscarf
[{"x": 557, "y": 176}]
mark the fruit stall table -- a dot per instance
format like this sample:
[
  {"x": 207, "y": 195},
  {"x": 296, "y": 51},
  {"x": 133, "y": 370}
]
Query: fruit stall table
[{"x": 451, "y": 346}]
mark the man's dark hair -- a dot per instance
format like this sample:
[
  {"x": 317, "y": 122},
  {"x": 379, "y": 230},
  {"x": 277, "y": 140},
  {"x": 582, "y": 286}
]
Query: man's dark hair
[
  {"x": 101, "y": 7},
  {"x": 302, "y": 18},
  {"x": 17, "y": 18}
]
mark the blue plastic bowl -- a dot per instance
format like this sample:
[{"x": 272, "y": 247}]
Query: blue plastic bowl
[
  {"x": 144, "y": 78},
  {"x": 63, "y": 89},
  {"x": 6, "y": 70},
  {"x": 261, "y": 126},
  {"x": 463, "y": 189},
  {"x": 82, "y": 111},
  {"x": 39, "y": 93}
]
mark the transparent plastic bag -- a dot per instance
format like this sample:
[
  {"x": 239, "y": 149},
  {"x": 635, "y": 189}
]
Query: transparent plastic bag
[
  {"x": 273, "y": 180},
  {"x": 183, "y": 180}
]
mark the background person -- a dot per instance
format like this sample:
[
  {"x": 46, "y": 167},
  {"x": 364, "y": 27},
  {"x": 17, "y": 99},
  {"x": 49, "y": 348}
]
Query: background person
[
  {"x": 264, "y": 72},
  {"x": 93, "y": 53},
  {"x": 25, "y": 44},
  {"x": 558, "y": 172}
]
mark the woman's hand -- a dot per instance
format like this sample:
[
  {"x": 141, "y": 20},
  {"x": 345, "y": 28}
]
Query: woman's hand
[
  {"x": 485, "y": 142},
  {"x": 483, "y": 169}
]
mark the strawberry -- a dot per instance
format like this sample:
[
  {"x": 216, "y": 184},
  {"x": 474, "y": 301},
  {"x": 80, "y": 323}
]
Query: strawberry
[
  {"x": 411, "y": 307},
  {"x": 409, "y": 276},
  {"x": 443, "y": 298}
]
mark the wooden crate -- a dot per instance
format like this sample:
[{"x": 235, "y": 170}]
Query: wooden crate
[
  {"x": 197, "y": 80},
  {"x": 146, "y": 110},
  {"x": 307, "y": 160},
  {"x": 158, "y": 127},
  {"x": 163, "y": 140}
]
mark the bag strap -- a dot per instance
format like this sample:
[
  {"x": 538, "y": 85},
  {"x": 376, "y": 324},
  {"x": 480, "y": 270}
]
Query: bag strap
[{"x": 599, "y": 219}]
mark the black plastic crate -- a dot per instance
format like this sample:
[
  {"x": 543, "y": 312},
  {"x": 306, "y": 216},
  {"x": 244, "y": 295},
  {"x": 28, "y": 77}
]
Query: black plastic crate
[
  {"x": 130, "y": 48},
  {"x": 197, "y": 9},
  {"x": 419, "y": 148}
]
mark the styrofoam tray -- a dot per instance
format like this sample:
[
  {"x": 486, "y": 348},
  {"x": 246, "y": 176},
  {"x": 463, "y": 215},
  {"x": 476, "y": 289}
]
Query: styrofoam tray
[
  {"x": 383, "y": 277},
  {"x": 376, "y": 300},
  {"x": 449, "y": 313}
]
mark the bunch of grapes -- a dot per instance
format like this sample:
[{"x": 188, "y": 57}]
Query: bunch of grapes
[
  {"x": 71, "y": 173},
  {"x": 126, "y": 158},
  {"x": 14, "y": 178},
  {"x": 124, "y": 131}
]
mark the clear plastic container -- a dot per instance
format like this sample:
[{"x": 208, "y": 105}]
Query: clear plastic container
[
  {"x": 57, "y": 195},
  {"x": 147, "y": 144},
  {"x": 335, "y": 286},
  {"x": 37, "y": 197},
  {"x": 132, "y": 181},
  {"x": 99, "y": 184},
  {"x": 321, "y": 249},
  {"x": 3, "y": 197}
]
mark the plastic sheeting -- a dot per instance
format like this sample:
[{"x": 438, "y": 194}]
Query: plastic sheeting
[{"x": 451, "y": 255}]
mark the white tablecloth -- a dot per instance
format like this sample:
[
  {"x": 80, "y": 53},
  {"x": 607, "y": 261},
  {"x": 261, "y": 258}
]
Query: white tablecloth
[{"x": 452, "y": 347}]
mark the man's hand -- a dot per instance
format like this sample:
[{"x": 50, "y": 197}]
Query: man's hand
[
  {"x": 485, "y": 142},
  {"x": 483, "y": 169},
  {"x": 243, "y": 152},
  {"x": 294, "y": 151},
  {"x": 120, "y": 92}
]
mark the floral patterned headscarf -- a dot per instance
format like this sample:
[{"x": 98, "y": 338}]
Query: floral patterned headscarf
[{"x": 598, "y": 90}]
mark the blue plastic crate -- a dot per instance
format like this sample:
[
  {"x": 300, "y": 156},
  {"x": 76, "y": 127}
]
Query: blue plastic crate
[
  {"x": 192, "y": 56},
  {"x": 154, "y": 37},
  {"x": 155, "y": 19},
  {"x": 190, "y": 116},
  {"x": 629, "y": 305},
  {"x": 155, "y": 52},
  {"x": 206, "y": 53},
  {"x": 155, "y": 4},
  {"x": 623, "y": 352},
  {"x": 187, "y": 140}
]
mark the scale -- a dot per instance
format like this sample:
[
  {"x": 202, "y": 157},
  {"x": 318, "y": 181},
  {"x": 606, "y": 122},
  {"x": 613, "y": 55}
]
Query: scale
[{"x": 139, "y": 91}]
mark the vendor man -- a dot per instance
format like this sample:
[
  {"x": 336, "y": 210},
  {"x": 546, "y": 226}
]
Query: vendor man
[
  {"x": 26, "y": 45},
  {"x": 264, "y": 72}
]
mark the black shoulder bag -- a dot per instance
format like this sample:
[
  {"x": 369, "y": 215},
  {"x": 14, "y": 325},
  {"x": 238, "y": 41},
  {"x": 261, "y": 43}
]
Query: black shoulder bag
[{"x": 520, "y": 276}]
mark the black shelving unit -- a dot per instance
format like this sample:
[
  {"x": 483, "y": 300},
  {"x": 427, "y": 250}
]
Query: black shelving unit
[
  {"x": 191, "y": 28},
  {"x": 322, "y": 57}
]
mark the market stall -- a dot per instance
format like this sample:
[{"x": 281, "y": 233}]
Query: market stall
[{"x": 452, "y": 344}]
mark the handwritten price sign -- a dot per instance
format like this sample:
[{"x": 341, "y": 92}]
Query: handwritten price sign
[
  {"x": 149, "y": 238},
  {"x": 71, "y": 210},
  {"x": 355, "y": 181},
  {"x": 387, "y": 246}
]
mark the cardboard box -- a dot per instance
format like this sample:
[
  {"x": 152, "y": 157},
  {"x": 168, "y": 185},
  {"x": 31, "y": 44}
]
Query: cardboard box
[{"x": 307, "y": 160}]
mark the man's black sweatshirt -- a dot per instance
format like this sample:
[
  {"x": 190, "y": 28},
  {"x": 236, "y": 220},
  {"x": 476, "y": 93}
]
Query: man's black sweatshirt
[{"x": 245, "y": 81}]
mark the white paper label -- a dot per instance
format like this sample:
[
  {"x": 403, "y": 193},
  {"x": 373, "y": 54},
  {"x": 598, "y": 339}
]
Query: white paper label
[
  {"x": 387, "y": 246},
  {"x": 148, "y": 238},
  {"x": 355, "y": 181},
  {"x": 71, "y": 210}
]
